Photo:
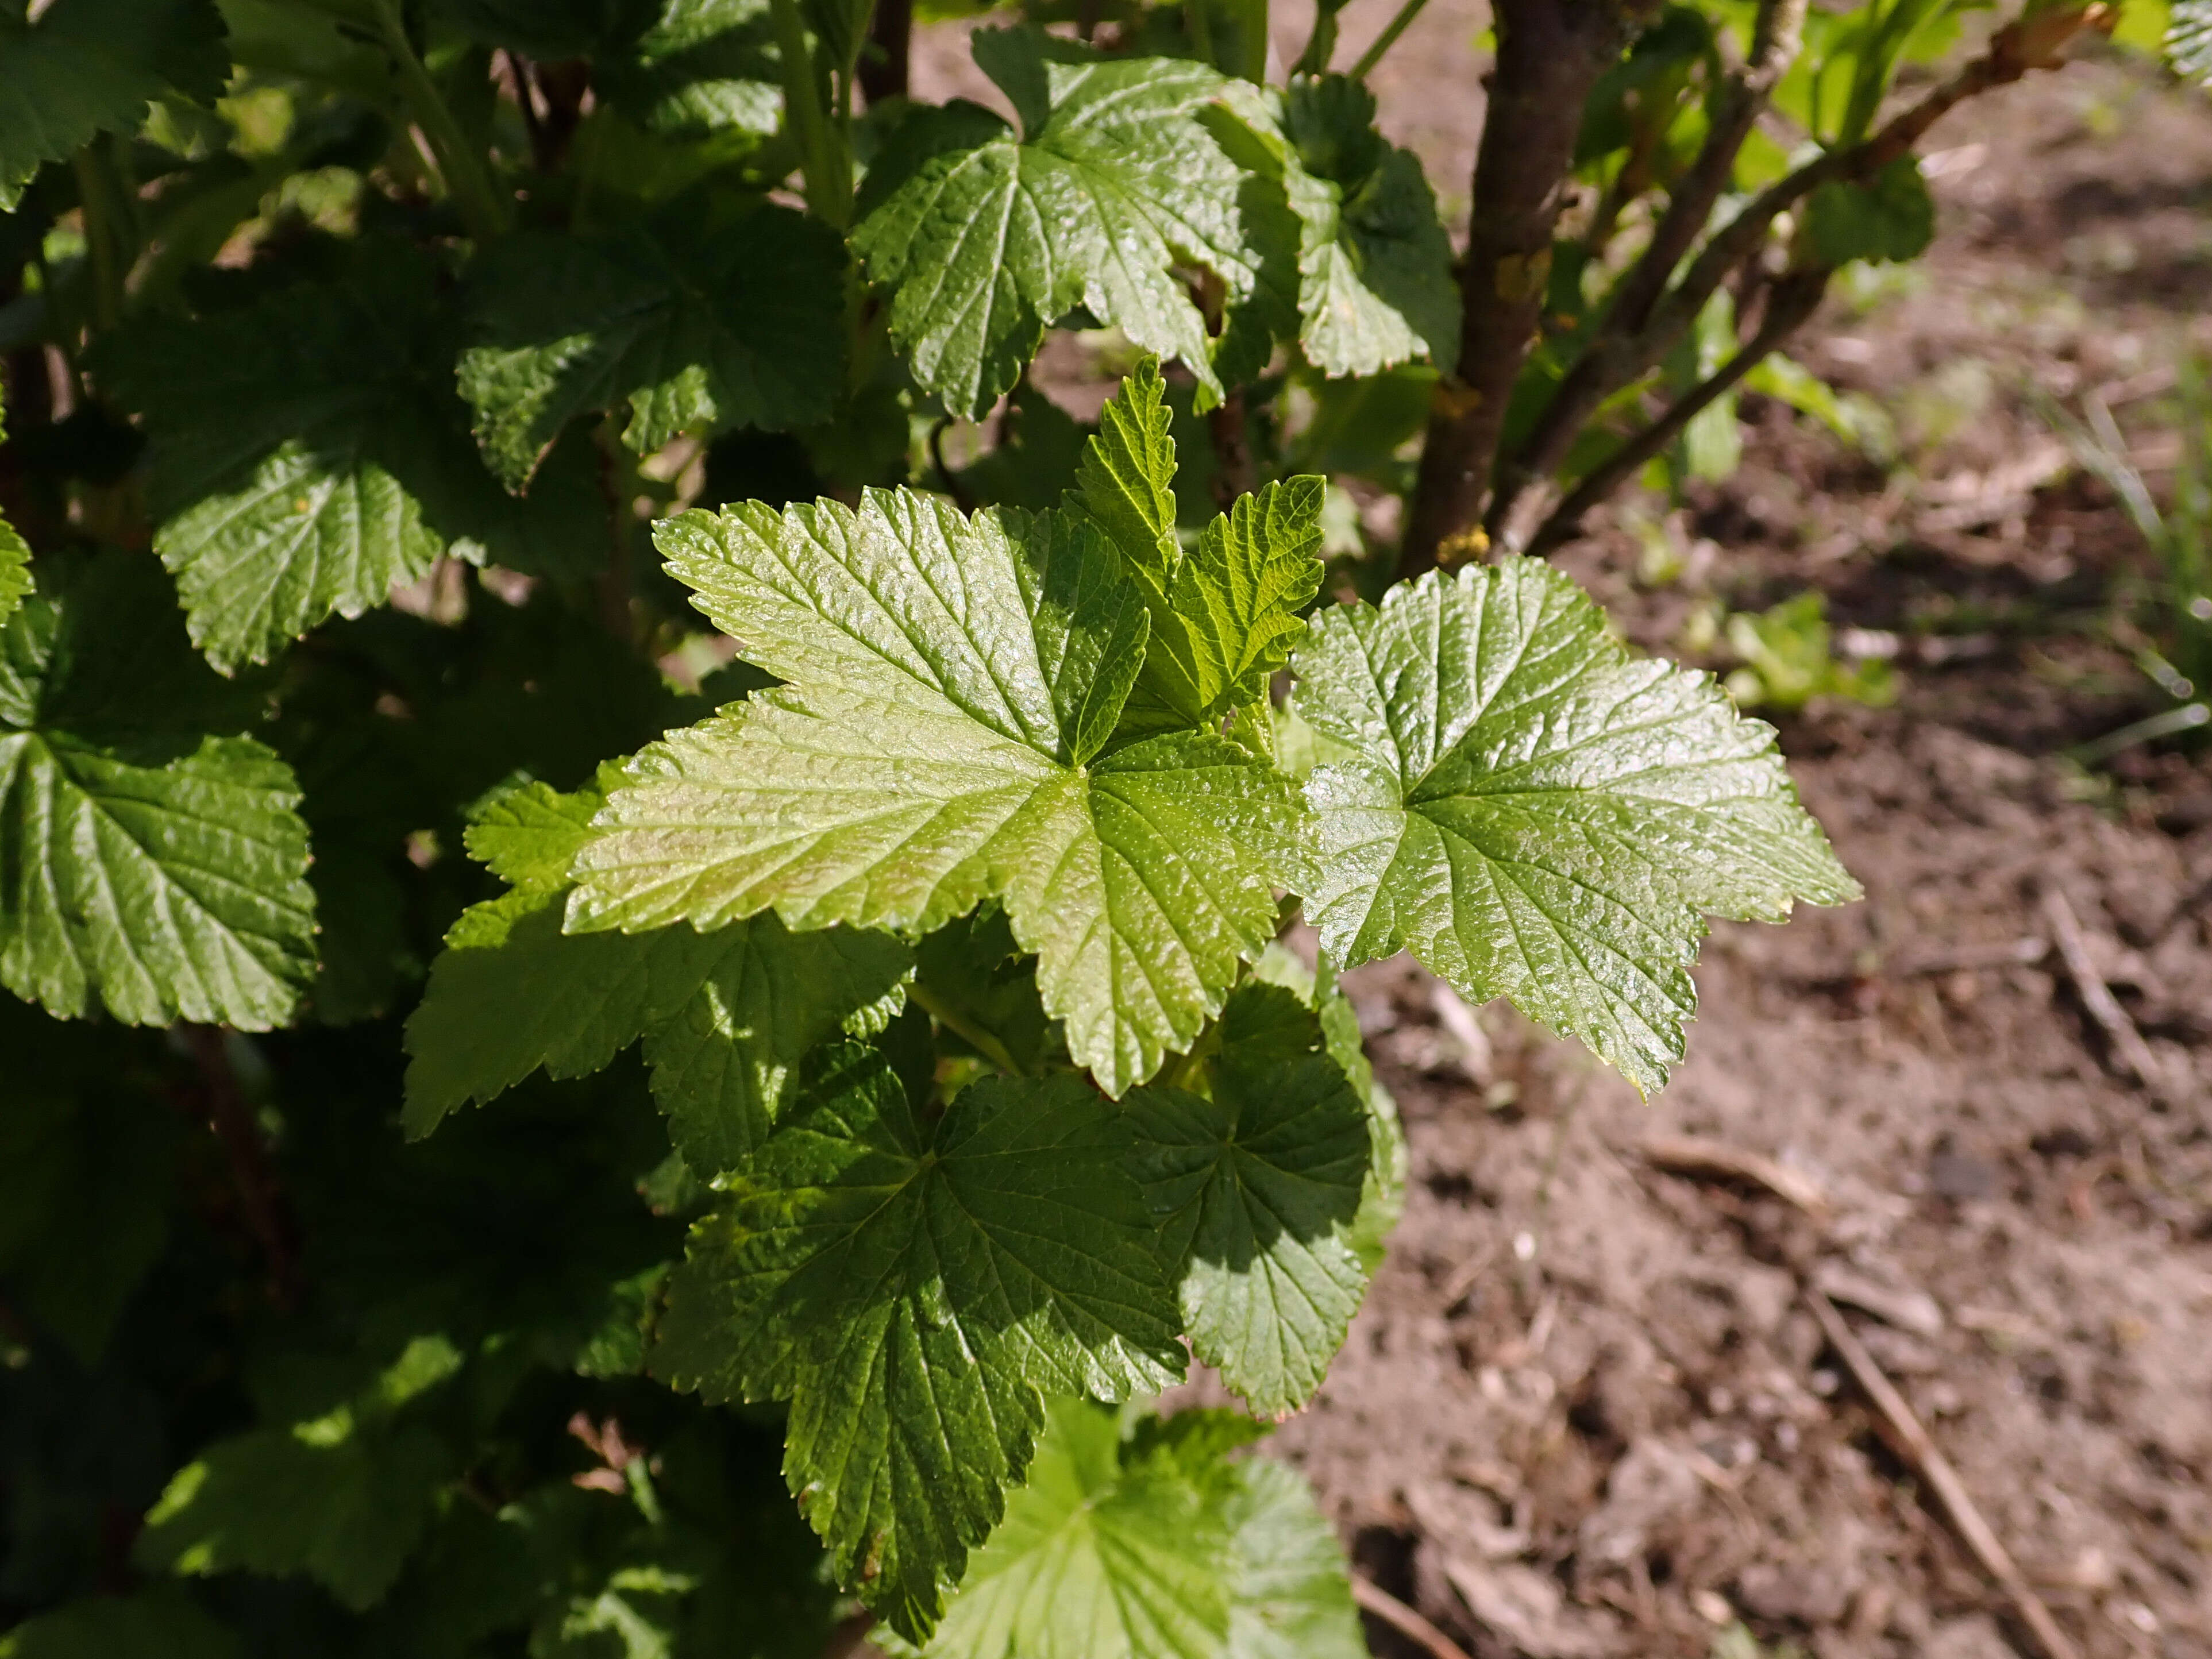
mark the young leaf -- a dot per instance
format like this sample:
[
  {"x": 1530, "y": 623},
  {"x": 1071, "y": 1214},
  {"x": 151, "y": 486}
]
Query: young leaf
[
  {"x": 1232, "y": 613},
  {"x": 914, "y": 1291},
  {"x": 952, "y": 682},
  {"x": 158, "y": 869},
  {"x": 725, "y": 1016},
  {"x": 986, "y": 238},
  {"x": 1536, "y": 814},
  {"x": 1255, "y": 1189},
  {"x": 1374, "y": 276},
  {"x": 338, "y": 468},
  {"x": 1154, "y": 1545},
  {"x": 1126, "y": 480},
  {"x": 693, "y": 327},
  {"x": 85, "y": 67}
]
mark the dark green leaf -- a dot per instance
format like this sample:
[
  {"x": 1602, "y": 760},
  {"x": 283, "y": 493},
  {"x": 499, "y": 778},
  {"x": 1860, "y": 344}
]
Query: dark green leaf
[
  {"x": 914, "y": 1291},
  {"x": 1890, "y": 216}
]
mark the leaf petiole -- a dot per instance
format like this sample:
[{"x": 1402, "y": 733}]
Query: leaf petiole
[{"x": 466, "y": 179}]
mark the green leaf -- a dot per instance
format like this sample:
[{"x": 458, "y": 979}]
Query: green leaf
[
  {"x": 1232, "y": 614},
  {"x": 2189, "y": 39},
  {"x": 1126, "y": 480},
  {"x": 155, "y": 868},
  {"x": 160, "y": 1623},
  {"x": 1152, "y": 1544},
  {"x": 88, "y": 67},
  {"x": 307, "y": 452},
  {"x": 914, "y": 1291},
  {"x": 342, "y": 1498},
  {"x": 1537, "y": 815},
  {"x": 976, "y": 981},
  {"x": 986, "y": 238},
  {"x": 693, "y": 326},
  {"x": 15, "y": 552},
  {"x": 1255, "y": 1185},
  {"x": 725, "y": 1016},
  {"x": 1375, "y": 265},
  {"x": 951, "y": 684},
  {"x": 1890, "y": 216}
]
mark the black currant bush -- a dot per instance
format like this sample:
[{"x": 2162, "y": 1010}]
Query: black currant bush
[{"x": 856, "y": 908}]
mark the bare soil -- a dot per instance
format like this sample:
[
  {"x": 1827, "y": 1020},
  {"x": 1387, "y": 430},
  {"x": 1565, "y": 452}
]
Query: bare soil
[{"x": 1586, "y": 1411}]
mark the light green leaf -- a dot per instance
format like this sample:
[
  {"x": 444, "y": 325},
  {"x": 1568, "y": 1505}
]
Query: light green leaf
[
  {"x": 2189, "y": 39},
  {"x": 1375, "y": 265},
  {"x": 88, "y": 67},
  {"x": 1292, "y": 1599},
  {"x": 14, "y": 552},
  {"x": 1890, "y": 216},
  {"x": 160, "y": 1623},
  {"x": 1153, "y": 1544},
  {"x": 1232, "y": 614},
  {"x": 1097, "y": 1558},
  {"x": 338, "y": 468},
  {"x": 914, "y": 1291},
  {"x": 1113, "y": 187},
  {"x": 693, "y": 326},
  {"x": 725, "y": 1016},
  {"x": 1255, "y": 1186},
  {"x": 1536, "y": 814},
  {"x": 1126, "y": 480},
  {"x": 154, "y": 868},
  {"x": 951, "y": 682}
]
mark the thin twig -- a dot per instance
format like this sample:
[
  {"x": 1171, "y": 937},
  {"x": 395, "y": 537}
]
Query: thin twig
[
  {"x": 1382, "y": 42},
  {"x": 2127, "y": 1044},
  {"x": 1936, "y": 1468},
  {"x": 1791, "y": 301},
  {"x": 1627, "y": 349},
  {"x": 260, "y": 1200},
  {"x": 1402, "y": 1618},
  {"x": 1693, "y": 1155}
]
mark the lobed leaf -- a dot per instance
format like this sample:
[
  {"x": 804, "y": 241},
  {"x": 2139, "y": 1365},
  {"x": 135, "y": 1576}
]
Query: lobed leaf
[
  {"x": 915, "y": 1292},
  {"x": 1538, "y": 816},
  {"x": 1375, "y": 264},
  {"x": 157, "y": 869},
  {"x": 86, "y": 67},
  {"x": 693, "y": 326},
  {"x": 987, "y": 237},
  {"x": 1255, "y": 1186},
  {"x": 952, "y": 684}
]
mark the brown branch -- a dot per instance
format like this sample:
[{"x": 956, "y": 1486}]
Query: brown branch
[
  {"x": 2127, "y": 1042},
  {"x": 1550, "y": 55},
  {"x": 1922, "y": 1451},
  {"x": 1373, "y": 1598},
  {"x": 1236, "y": 474},
  {"x": 1623, "y": 353},
  {"x": 1788, "y": 303},
  {"x": 1776, "y": 38},
  {"x": 260, "y": 1199}
]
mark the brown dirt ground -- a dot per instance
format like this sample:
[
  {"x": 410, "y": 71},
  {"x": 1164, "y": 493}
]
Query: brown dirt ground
[{"x": 1585, "y": 1411}]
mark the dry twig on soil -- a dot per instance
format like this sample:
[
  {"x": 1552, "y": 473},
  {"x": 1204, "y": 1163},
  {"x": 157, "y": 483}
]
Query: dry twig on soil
[
  {"x": 1372, "y": 1597},
  {"x": 1936, "y": 1468},
  {"x": 1688, "y": 1155},
  {"x": 2097, "y": 997}
]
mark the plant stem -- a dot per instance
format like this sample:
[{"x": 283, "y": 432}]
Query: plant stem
[
  {"x": 821, "y": 155},
  {"x": 982, "y": 1042},
  {"x": 1550, "y": 54},
  {"x": 1791, "y": 301},
  {"x": 96, "y": 205},
  {"x": 1382, "y": 43},
  {"x": 467, "y": 182}
]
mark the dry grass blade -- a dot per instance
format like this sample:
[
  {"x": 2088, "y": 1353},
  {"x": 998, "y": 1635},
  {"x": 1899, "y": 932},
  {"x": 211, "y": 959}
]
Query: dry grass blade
[
  {"x": 1373, "y": 1598},
  {"x": 1936, "y": 1468},
  {"x": 2097, "y": 996},
  {"x": 1689, "y": 1154}
]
